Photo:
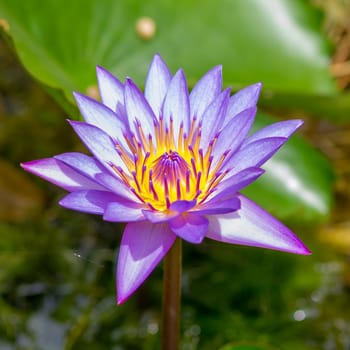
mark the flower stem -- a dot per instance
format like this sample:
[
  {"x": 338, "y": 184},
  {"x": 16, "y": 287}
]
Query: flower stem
[{"x": 172, "y": 297}]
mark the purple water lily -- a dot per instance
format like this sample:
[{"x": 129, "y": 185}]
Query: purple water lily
[{"x": 171, "y": 164}]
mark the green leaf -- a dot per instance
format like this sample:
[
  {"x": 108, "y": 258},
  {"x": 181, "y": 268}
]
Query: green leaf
[
  {"x": 335, "y": 108},
  {"x": 279, "y": 43},
  {"x": 297, "y": 185}
]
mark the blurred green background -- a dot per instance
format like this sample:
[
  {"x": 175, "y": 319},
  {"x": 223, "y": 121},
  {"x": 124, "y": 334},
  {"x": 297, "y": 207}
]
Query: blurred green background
[{"x": 57, "y": 283}]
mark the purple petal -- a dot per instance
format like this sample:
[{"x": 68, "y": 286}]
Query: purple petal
[
  {"x": 253, "y": 226},
  {"x": 90, "y": 201},
  {"x": 124, "y": 211},
  {"x": 60, "y": 174},
  {"x": 205, "y": 91},
  {"x": 117, "y": 186},
  {"x": 218, "y": 206},
  {"x": 213, "y": 118},
  {"x": 243, "y": 99},
  {"x": 143, "y": 246},
  {"x": 176, "y": 104},
  {"x": 111, "y": 89},
  {"x": 254, "y": 154},
  {"x": 138, "y": 110},
  {"x": 99, "y": 115},
  {"x": 159, "y": 216},
  {"x": 182, "y": 205},
  {"x": 158, "y": 79},
  {"x": 191, "y": 228},
  {"x": 230, "y": 186},
  {"x": 82, "y": 163},
  {"x": 94, "y": 170},
  {"x": 280, "y": 129},
  {"x": 99, "y": 143},
  {"x": 233, "y": 134}
]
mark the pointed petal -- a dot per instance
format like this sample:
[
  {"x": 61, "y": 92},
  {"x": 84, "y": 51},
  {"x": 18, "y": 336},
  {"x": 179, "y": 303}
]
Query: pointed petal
[
  {"x": 233, "y": 134},
  {"x": 253, "y": 226},
  {"x": 61, "y": 175},
  {"x": 176, "y": 104},
  {"x": 280, "y": 129},
  {"x": 182, "y": 205},
  {"x": 254, "y": 154},
  {"x": 89, "y": 201},
  {"x": 213, "y": 118},
  {"x": 124, "y": 211},
  {"x": 111, "y": 89},
  {"x": 190, "y": 227},
  {"x": 91, "y": 168},
  {"x": 243, "y": 99},
  {"x": 143, "y": 246},
  {"x": 97, "y": 114},
  {"x": 218, "y": 206},
  {"x": 99, "y": 143},
  {"x": 230, "y": 186},
  {"x": 159, "y": 216},
  {"x": 205, "y": 91},
  {"x": 116, "y": 186},
  {"x": 138, "y": 110},
  {"x": 157, "y": 82},
  {"x": 82, "y": 163}
]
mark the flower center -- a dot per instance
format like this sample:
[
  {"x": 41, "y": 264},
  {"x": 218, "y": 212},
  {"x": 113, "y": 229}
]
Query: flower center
[
  {"x": 164, "y": 170},
  {"x": 169, "y": 167}
]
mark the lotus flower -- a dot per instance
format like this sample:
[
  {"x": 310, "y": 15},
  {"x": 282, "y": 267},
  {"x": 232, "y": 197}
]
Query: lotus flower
[{"x": 171, "y": 164}]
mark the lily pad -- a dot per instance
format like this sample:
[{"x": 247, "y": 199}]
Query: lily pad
[{"x": 279, "y": 43}]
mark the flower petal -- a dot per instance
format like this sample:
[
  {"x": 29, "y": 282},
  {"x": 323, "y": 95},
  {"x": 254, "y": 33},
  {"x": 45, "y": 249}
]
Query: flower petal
[
  {"x": 111, "y": 89},
  {"x": 235, "y": 183},
  {"x": 213, "y": 118},
  {"x": 159, "y": 216},
  {"x": 191, "y": 228},
  {"x": 142, "y": 247},
  {"x": 243, "y": 99},
  {"x": 82, "y": 163},
  {"x": 157, "y": 81},
  {"x": 182, "y": 205},
  {"x": 253, "y": 154},
  {"x": 117, "y": 186},
  {"x": 99, "y": 143},
  {"x": 138, "y": 110},
  {"x": 218, "y": 206},
  {"x": 280, "y": 129},
  {"x": 94, "y": 170},
  {"x": 177, "y": 105},
  {"x": 124, "y": 211},
  {"x": 60, "y": 174},
  {"x": 97, "y": 114},
  {"x": 205, "y": 91},
  {"x": 233, "y": 134},
  {"x": 253, "y": 226},
  {"x": 88, "y": 201}
]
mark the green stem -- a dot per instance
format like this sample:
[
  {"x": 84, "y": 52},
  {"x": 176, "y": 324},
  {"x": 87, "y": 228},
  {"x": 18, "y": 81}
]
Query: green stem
[{"x": 172, "y": 297}]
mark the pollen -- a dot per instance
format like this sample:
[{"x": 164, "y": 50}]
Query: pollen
[{"x": 162, "y": 170}]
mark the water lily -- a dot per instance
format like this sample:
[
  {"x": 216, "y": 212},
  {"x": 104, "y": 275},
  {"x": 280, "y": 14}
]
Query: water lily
[{"x": 171, "y": 164}]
